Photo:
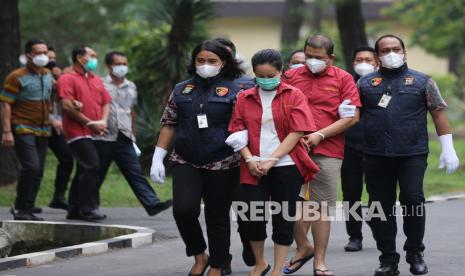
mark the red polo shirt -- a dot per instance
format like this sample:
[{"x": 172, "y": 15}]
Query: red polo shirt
[
  {"x": 325, "y": 93},
  {"x": 290, "y": 114},
  {"x": 89, "y": 90}
]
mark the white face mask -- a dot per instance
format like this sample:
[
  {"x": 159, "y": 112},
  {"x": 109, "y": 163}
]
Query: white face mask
[
  {"x": 208, "y": 71},
  {"x": 40, "y": 60},
  {"x": 119, "y": 71},
  {"x": 392, "y": 60},
  {"x": 296, "y": 65},
  {"x": 316, "y": 65},
  {"x": 363, "y": 68}
]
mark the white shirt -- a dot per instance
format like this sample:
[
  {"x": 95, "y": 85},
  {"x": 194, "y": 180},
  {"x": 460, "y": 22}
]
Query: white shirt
[{"x": 269, "y": 140}]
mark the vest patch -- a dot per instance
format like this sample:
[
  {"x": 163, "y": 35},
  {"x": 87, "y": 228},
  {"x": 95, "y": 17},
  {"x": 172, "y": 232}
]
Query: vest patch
[
  {"x": 409, "y": 80},
  {"x": 222, "y": 91},
  {"x": 376, "y": 81},
  {"x": 187, "y": 89}
]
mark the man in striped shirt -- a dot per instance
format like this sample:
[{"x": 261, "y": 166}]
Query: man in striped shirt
[{"x": 25, "y": 102}]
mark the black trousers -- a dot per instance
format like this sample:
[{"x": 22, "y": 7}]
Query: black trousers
[
  {"x": 57, "y": 143},
  {"x": 83, "y": 193},
  {"x": 190, "y": 186},
  {"x": 31, "y": 151},
  {"x": 382, "y": 176},
  {"x": 281, "y": 185},
  {"x": 123, "y": 153},
  {"x": 352, "y": 172}
]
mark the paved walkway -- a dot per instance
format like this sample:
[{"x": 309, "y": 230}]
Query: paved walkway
[{"x": 445, "y": 254}]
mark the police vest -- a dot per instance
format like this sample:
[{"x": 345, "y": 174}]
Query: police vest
[
  {"x": 214, "y": 97},
  {"x": 400, "y": 128}
]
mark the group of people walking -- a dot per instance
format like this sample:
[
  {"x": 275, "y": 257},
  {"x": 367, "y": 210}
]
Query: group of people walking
[
  {"x": 83, "y": 118},
  {"x": 281, "y": 139},
  {"x": 286, "y": 137}
]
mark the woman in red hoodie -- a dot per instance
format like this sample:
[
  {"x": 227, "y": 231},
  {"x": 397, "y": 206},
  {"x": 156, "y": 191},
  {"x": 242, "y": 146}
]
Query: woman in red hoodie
[{"x": 275, "y": 163}]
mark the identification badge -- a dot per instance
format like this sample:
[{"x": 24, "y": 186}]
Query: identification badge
[
  {"x": 202, "y": 120},
  {"x": 385, "y": 99}
]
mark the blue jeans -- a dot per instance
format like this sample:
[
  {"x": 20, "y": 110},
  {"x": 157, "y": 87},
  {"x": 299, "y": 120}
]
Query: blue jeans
[{"x": 124, "y": 155}]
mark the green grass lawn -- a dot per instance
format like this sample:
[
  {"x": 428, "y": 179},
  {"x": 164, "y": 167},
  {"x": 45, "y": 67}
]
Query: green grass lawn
[{"x": 116, "y": 192}]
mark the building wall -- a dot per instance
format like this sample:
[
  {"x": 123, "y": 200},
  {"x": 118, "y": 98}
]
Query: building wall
[{"x": 253, "y": 34}]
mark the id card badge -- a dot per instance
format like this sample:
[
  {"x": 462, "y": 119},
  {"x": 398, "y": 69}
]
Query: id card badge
[
  {"x": 202, "y": 120},
  {"x": 385, "y": 99}
]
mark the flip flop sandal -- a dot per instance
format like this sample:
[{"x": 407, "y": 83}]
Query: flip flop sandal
[
  {"x": 300, "y": 262},
  {"x": 316, "y": 272}
]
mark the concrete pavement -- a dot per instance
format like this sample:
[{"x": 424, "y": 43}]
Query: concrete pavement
[{"x": 445, "y": 253}]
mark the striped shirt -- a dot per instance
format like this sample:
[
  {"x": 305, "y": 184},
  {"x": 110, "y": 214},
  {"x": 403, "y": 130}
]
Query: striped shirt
[{"x": 28, "y": 94}]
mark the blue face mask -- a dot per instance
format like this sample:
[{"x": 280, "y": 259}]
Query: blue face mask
[{"x": 268, "y": 83}]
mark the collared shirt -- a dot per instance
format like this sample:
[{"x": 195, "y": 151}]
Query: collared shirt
[
  {"x": 28, "y": 94},
  {"x": 291, "y": 113},
  {"x": 123, "y": 100},
  {"x": 90, "y": 91},
  {"x": 325, "y": 92}
]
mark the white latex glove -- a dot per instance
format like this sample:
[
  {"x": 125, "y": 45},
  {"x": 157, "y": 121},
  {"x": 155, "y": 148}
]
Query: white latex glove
[
  {"x": 157, "y": 171},
  {"x": 345, "y": 110},
  {"x": 448, "y": 158},
  {"x": 238, "y": 140}
]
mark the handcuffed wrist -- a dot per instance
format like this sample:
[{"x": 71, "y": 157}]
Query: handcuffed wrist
[{"x": 320, "y": 134}]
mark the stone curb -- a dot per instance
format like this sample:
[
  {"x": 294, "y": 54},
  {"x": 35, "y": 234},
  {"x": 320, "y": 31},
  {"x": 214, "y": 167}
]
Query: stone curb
[{"x": 142, "y": 236}]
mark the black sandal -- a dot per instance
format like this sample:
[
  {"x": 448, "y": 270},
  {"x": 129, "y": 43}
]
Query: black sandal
[
  {"x": 264, "y": 272},
  {"x": 203, "y": 271}
]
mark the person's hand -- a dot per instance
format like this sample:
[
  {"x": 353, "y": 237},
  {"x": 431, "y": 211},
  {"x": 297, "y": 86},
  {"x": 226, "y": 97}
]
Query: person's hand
[
  {"x": 313, "y": 139},
  {"x": 57, "y": 126},
  {"x": 8, "y": 140},
  {"x": 345, "y": 110},
  {"x": 267, "y": 165},
  {"x": 304, "y": 143},
  {"x": 448, "y": 158},
  {"x": 157, "y": 171},
  {"x": 77, "y": 105},
  {"x": 254, "y": 167},
  {"x": 98, "y": 127}
]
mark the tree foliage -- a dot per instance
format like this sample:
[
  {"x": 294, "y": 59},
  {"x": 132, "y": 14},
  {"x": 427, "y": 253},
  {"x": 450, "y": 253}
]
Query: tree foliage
[
  {"x": 65, "y": 24},
  {"x": 438, "y": 25},
  {"x": 159, "y": 52}
]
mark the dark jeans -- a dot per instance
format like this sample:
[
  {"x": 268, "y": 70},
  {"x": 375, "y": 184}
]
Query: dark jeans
[
  {"x": 123, "y": 153},
  {"x": 31, "y": 151},
  {"x": 382, "y": 176},
  {"x": 84, "y": 192},
  {"x": 190, "y": 186},
  {"x": 57, "y": 143},
  {"x": 352, "y": 171},
  {"x": 282, "y": 184}
]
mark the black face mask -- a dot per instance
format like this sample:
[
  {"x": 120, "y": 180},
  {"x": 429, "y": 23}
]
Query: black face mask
[{"x": 51, "y": 65}]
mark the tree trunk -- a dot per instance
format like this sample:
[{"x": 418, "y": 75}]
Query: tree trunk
[
  {"x": 317, "y": 16},
  {"x": 292, "y": 20},
  {"x": 351, "y": 25},
  {"x": 10, "y": 40},
  {"x": 455, "y": 59}
]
